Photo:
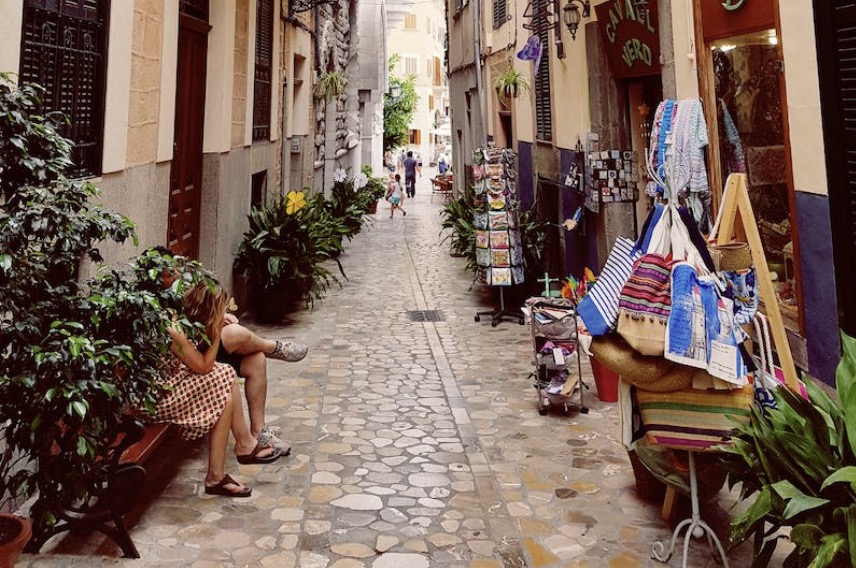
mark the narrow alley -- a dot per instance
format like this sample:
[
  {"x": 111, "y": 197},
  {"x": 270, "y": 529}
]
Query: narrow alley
[{"x": 413, "y": 444}]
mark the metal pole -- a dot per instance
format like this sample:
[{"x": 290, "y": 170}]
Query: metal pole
[{"x": 477, "y": 24}]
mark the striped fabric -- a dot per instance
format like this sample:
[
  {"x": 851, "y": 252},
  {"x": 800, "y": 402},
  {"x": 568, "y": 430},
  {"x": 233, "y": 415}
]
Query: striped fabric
[
  {"x": 648, "y": 291},
  {"x": 599, "y": 308},
  {"x": 693, "y": 419}
]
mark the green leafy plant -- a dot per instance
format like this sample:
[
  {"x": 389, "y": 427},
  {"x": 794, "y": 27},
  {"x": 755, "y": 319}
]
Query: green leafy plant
[
  {"x": 330, "y": 85},
  {"x": 283, "y": 252},
  {"x": 76, "y": 355},
  {"x": 510, "y": 84},
  {"x": 398, "y": 111},
  {"x": 458, "y": 222},
  {"x": 799, "y": 463}
]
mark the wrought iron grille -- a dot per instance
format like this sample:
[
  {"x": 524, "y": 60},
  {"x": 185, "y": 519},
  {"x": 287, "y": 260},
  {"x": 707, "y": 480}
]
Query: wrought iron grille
[
  {"x": 264, "y": 63},
  {"x": 62, "y": 48}
]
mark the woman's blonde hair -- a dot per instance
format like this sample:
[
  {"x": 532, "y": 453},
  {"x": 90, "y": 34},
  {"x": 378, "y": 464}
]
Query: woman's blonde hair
[{"x": 206, "y": 303}]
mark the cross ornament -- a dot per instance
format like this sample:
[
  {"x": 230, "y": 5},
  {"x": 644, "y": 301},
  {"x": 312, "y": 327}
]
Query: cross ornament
[{"x": 546, "y": 280}]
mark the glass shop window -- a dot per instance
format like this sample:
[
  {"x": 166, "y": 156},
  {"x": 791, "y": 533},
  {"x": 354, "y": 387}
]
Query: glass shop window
[{"x": 751, "y": 129}]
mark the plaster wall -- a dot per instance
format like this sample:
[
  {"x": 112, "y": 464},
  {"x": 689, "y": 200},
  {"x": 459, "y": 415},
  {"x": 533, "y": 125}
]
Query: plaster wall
[
  {"x": 219, "y": 76},
  {"x": 461, "y": 44},
  {"x": 117, "y": 102},
  {"x": 803, "y": 92},
  {"x": 10, "y": 34}
]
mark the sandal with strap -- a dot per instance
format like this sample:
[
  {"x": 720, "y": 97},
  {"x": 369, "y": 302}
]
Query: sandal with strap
[
  {"x": 253, "y": 456},
  {"x": 220, "y": 488}
]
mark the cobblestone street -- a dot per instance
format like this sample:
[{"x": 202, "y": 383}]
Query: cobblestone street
[{"x": 413, "y": 444}]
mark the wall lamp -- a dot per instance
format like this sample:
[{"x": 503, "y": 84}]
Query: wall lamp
[
  {"x": 395, "y": 92},
  {"x": 571, "y": 15}
]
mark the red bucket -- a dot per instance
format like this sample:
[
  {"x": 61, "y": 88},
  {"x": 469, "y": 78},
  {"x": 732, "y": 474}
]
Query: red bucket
[{"x": 605, "y": 380}]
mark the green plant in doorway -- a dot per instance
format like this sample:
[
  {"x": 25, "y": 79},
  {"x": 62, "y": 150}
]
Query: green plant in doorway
[{"x": 798, "y": 461}]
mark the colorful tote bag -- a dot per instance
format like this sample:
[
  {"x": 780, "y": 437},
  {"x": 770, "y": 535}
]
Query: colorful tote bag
[
  {"x": 599, "y": 308},
  {"x": 645, "y": 304}
]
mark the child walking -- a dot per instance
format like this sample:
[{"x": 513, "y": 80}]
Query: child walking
[{"x": 394, "y": 196}]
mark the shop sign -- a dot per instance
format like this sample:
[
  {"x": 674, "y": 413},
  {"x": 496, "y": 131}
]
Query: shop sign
[
  {"x": 726, "y": 18},
  {"x": 632, "y": 40},
  {"x": 733, "y": 5}
]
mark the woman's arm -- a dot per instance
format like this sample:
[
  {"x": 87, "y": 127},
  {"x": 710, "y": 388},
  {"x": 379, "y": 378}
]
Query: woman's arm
[{"x": 190, "y": 355}]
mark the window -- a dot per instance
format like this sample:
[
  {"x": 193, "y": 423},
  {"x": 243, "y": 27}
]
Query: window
[
  {"x": 430, "y": 102},
  {"x": 410, "y": 66},
  {"x": 500, "y": 12},
  {"x": 63, "y": 49},
  {"x": 543, "y": 110},
  {"x": 410, "y": 22},
  {"x": 264, "y": 62}
]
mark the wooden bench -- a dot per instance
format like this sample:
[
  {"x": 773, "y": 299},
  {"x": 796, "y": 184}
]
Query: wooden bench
[
  {"x": 119, "y": 492},
  {"x": 442, "y": 185}
]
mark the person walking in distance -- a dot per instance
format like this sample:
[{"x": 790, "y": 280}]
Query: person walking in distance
[{"x": 411, "y": 168}]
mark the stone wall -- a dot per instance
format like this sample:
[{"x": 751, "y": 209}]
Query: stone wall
[
  {"x": 145, "y": 87},
  {"x": 239, "y": 86}
]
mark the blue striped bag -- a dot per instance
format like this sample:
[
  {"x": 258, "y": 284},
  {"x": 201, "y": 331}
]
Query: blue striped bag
[{"x": 599, "y": 308}]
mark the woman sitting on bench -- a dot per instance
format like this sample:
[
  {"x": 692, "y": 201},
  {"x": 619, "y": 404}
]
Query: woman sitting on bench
[{"x": 203, "y": 395}]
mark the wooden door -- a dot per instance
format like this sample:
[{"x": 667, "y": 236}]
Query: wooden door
[
  {"x": 185, "y": 184},
  {"x": 836, "y": 38}
]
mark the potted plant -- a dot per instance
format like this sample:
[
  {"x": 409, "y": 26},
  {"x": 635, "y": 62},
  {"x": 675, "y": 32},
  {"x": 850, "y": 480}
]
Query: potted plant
[
  {"x": 283, "y": 251},
  {"x": 77, "y": 355},
  {"x": 330, "y": 84},
  {"x": 799, "y": 463},
  {"x": 510, "y": 83},
  {"x": 15, "y": 532},
  {"x": 373, "y": 190}
]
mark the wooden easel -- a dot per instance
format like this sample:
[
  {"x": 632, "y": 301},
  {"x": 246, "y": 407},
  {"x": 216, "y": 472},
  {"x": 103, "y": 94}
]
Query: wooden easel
[{"x": 736, "y": 202}]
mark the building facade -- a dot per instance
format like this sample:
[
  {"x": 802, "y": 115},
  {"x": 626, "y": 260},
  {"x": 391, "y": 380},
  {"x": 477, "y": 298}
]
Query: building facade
[
  {"x": 419, "y": 40},
  {"x": 179, "y": 109},
  {"x": 755, "y": 68}
]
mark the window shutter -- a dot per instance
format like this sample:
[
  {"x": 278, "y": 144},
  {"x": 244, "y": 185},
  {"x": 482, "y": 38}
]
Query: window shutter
[
  {"x": 263, "y": 72},
  {"x": 836, "y": 21},
  {"x": 500, "y": 12},
  {"x": 62, "y": 49},
  {"x": 543, "y": 102}
]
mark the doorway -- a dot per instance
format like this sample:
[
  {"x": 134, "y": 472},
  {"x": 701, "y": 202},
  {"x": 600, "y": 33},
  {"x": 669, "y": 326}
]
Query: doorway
[{"x": 185, "y": 183}]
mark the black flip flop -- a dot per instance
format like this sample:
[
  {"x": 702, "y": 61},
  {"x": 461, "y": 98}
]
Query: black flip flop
[
  {"x": 253, "y": 456},
  {"x": 220, "y": 489}
]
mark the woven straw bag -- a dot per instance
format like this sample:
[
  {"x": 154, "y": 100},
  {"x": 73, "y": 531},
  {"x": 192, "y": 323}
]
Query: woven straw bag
[{"x": 655, "y": 374}]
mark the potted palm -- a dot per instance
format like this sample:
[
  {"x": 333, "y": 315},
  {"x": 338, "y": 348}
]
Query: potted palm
[{"x": 76, "y": 354}]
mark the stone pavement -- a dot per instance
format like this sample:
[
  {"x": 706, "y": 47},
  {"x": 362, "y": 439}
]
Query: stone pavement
[{"x": 414, "y": 444}]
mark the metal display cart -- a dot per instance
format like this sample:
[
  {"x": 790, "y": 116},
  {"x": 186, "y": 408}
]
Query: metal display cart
[{"x": 555, "y": 345}]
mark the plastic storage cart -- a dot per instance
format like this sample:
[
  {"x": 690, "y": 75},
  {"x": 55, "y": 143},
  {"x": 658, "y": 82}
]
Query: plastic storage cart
[{"x": 558, "y": 370}]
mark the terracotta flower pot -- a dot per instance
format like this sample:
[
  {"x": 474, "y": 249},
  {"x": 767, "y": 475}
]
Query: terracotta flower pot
[{"x": 15, "y": 532}]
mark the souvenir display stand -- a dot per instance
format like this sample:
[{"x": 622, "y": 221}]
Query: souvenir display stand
[
  {"x": 499, "y": 251},
  {"x": 556, "y": 355},
  {"x": 736, "y": 200}
]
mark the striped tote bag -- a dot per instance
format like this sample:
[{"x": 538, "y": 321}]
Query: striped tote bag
[
  {"x": 694, "y": 419},
  {"x": 599, "y": 308}
]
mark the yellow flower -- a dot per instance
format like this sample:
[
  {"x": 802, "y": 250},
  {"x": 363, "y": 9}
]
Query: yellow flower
[{"x": 294, "y": 201}]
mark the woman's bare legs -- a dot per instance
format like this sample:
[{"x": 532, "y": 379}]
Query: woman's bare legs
[
  {"x": 232, "y": 419},
  {"x": 254, "y": 371},
  {"x": 238, "y": 339}
]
